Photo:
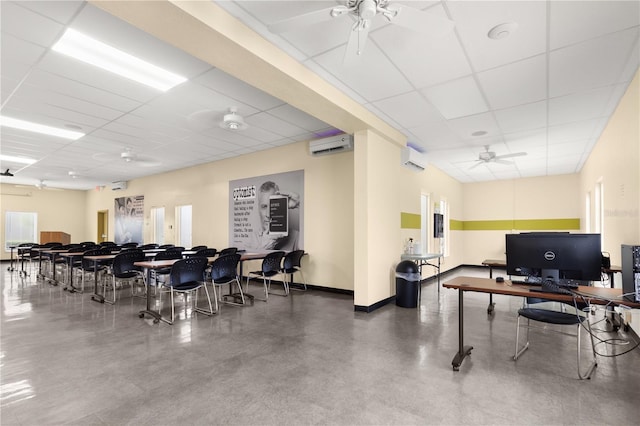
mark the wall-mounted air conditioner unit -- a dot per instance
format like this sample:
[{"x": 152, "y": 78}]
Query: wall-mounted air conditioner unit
[
  {"x": 413, "y": 159},
  {"x": 331, "y": 145},
  {"x": 115, "y": 186}
]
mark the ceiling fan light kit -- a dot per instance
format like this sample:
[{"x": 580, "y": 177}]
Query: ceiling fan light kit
[{"x": 233, "y": 121}]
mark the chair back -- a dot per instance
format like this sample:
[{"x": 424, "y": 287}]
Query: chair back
[
  {"x": 123, "y": 262},
  {"x": 206, "y": 252},
  {"x": 129, "y": 245},
  {"x": 166, "y": 246},
  {"x": 107, "y": 243},
  {"x": 292, "y": 260},
  {"x": 187, "y": 271},
  {"x": 272, "y": 261},
  {"x": 168, "y": 255},
  {"x": 225, "y": 267},
  {"x": 88, "y": 264},
  {"x": 51, "y": 245},
  {"x": 196, "y": 248},
  {"x": 150, "y": 246},
  {"x": 228, "y": 250}
]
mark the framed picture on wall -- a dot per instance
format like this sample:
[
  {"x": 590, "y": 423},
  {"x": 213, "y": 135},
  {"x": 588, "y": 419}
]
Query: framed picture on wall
[{"x": 438, "y": 225}]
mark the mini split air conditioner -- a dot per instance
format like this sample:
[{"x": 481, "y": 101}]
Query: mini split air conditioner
[
  {"x": 122, "y": 184},
  {"x": 331, "y": 145},
  {"x": 413, "y": 159}
]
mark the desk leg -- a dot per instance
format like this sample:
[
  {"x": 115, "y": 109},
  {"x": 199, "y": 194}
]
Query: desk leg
[
  {"x": 11, "y": 268},
  {"x": 439, "y": 276},
  {"x": 463, "y": 350},
  {"x": 97, "y": 297},
  {"x": 491, "y": 304},
  {"x": 148, "y": 311}
]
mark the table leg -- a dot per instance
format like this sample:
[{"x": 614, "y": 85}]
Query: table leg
[
  {"x": 11, "y": 268},
  {"x": 148, "y": 311},
  {"x": 70, "y": 288},
  {"x": 96, "y": 296},
  {"x": 491, "y": 304},
  {"x": 463, "y": 350}
]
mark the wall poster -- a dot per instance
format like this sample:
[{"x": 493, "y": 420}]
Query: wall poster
[
  {"x": 266, "y": 212},
  {"x": 129, "y": 219}
]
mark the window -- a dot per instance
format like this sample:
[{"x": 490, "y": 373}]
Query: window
[
  {"x": 20, "y": 227},
  {"x": 183, "y": 220},
  {"x": 425, "y": 227},
  {"x": 157, "y": 224}
]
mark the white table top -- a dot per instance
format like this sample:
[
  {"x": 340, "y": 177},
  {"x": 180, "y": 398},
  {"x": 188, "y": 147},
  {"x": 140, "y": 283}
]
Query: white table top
[{"x": 420, "y": 256}]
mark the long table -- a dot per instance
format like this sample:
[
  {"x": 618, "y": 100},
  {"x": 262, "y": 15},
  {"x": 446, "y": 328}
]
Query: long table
[{"x": 594, "y": 295}]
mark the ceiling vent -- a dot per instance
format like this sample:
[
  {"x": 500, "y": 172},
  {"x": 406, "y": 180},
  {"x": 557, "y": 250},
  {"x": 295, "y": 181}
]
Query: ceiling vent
[
  {"x": 116, "y": 186},
  {"x": 331, "y": 145},
  {"x": 413, "y": 159}
]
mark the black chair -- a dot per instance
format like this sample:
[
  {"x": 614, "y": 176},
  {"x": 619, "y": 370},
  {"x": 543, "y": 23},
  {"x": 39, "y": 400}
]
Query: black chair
[
  {"x": 291, "y": 265},
  {"x": 129, "y": 245},
  {"x": 224, "y": 271},
  {"x": 196, "y": 248},
  {"x": 123, "y": 269},
  {"x": 206, "y": 252},
  {"x": 228, "y": 250},
  {"x": 187, "y": 276},
  {"x": 150, "y": 246},
  {"x": 87, "y": 266},
  {"x": 165, "y": 255},
  {"x": 166, "y": 246},
  {"x": 547, "y": 316},
  {"x": 107, "y": 243},
  {"x": 270, "y": 268}
]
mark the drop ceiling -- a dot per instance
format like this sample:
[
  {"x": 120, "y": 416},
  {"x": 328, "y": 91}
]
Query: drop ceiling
[{"x": 548, "y": 89}]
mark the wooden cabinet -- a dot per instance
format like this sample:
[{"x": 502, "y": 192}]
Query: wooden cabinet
[{"x": 54, "y": 237}]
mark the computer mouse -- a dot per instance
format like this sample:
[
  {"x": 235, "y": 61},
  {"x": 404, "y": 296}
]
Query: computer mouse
[{"x": 499, "y": 279}]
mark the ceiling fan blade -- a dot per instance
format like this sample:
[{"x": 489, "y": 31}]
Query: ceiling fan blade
[
  {"x": 476, "y": 165},
  {"x": 357, "y": 41},
  {"x": 146, "y": 162},
  {"x": 306, "y": 19},
  {"x": 420, "y": 21},
  {"x": 505, "y": 162},
  {"x": 515, "y": 154}
]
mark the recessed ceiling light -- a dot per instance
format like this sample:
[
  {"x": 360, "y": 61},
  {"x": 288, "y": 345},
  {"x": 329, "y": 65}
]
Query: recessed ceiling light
[
  {"x": 479, "y": 133},
  {"x": 502, "y": 31},
  {"x": 39, "y": 128},
  {"x": 79, "y": 46},
  {"x": 13, "y": 159}
]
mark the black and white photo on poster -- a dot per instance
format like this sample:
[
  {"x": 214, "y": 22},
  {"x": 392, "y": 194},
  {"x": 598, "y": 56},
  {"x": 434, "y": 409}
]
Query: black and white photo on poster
[
  {"x": 129, "y": 219},
  {"x": 266, "y": 212}
]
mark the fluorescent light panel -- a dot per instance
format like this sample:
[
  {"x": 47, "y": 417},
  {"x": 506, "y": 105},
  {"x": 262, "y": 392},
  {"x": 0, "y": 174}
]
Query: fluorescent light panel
[
  {"x": 94, "y": 52},
  {"x": 39, "y": 128},
  {"x": 12, "y": 159}
]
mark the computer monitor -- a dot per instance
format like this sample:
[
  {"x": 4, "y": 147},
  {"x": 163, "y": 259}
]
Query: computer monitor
[{"x": 554, "y": 255}]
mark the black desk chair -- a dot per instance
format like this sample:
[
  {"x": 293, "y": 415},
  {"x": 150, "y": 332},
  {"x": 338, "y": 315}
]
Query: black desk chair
[
  {"x": 187, "y": 276},
  {"x": 87, "y": 266},
  {"x": 270, "y": 268},
  {"x": 224, "y": 271},
  {"x": 228, "y": 250},
  {"x": 291, "y": 265},
  {"x": 547, "y": 316},
  {"x": 165, "y": 255},
  {"x": 124, "y": 270},
  {"x": 196, "y": 248}
]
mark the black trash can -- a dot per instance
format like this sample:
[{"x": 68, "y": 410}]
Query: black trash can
[{"x": 407, "y": 284}]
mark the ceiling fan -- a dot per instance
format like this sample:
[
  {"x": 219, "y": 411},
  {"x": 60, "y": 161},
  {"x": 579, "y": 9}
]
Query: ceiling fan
[
  {"x": 41, "y": 184},
  {"x": 487, "y": 157},
  {"x": 128, "y": 156},
  {"x": 363, "y": 12},
  {"x": 207, "y": 118},
  {"x": 6, "y": 173}
]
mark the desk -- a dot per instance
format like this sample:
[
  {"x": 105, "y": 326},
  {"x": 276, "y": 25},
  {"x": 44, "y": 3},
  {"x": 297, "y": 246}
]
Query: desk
[
  {"x": 97, "y": 260},
  {"x": 422, "y": 260},
  {"x": 493, "y": 263},
  {"x": 595, "y": 295}
]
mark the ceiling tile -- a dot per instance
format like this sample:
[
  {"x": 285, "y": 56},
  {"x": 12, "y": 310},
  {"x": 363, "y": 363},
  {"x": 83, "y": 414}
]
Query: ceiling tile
[
  {"x": 274, "y": 125},
  {"x": 523, "y": 117},
  {"x": 591, "y": 64},
  {"x": 475, "y": 19},
  {"x": 235, "y": 89},
  {"x": 409, "y": 109},
  {"x": 571, "y": 132},
  {"x": 298, "y": 118},
  {"x": 446, "y": 98},
  {"x": 466, "y": 126},
  {"x": 515, "y": 84},
  {"x": 576, "y": 21},
  {"x": 579, "y": 106},
  {"x": 60, "y": 11},
  {"x": 28, "y": 25}
]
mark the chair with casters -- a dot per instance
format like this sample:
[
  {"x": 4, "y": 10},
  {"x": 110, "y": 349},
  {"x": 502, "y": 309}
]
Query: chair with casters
[
  {"x": 187, "y": 276},
  {"x": 228, "y": 250},
  {"x": 560, "y": 318},
  {"x": 292, "y": 264},
  {"x": 123, "y": 270},
  {"x": 224, "y": 271},
  {"x": 270, "y": 268}
]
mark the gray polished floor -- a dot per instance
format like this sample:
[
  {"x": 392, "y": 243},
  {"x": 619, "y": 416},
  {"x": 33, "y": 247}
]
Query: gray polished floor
[{"x": 305, "y": 359}]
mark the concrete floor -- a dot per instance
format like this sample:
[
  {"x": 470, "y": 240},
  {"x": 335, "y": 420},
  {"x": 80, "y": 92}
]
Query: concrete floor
[{"x": 305, "y": 359}]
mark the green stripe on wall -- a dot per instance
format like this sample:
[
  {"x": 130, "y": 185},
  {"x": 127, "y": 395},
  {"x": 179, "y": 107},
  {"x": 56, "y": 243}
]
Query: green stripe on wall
[
  {"x": 409, "y": 220},
  {"x": 521, "y": 225}
]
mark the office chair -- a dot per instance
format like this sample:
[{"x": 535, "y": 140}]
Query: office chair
[
  {"x": 196, "y": 248},
  {"x": 165, "y": 255},
  {"x": 123, "y": 269},
  {"x": 548, "y": 316},
  {"x": 228, "y": 250},
  {"x": 270, "y": 268},
  {"x": 291, "y": 265},
  {"x": 187, "y": 276},
  {"x": 224, "y": 271},
  {"x": 87, "y": 266}
]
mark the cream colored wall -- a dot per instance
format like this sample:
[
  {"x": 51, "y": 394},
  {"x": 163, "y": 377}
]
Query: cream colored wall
[
  {"x": 548, "y": 197},
  {"x": 615, "y": 160},
  {"x": 328, "y": 233},
  {"x": 58, "y": 210}
]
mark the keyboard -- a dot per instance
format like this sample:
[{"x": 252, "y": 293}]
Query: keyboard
[
  {"x": 531, "y": 283},
  {"x": 549, "y": 286}
]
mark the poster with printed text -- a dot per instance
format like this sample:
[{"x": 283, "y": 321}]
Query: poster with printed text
[
  {"x": 266, "y": 212},
  {"x": 129, "y": 219}
]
